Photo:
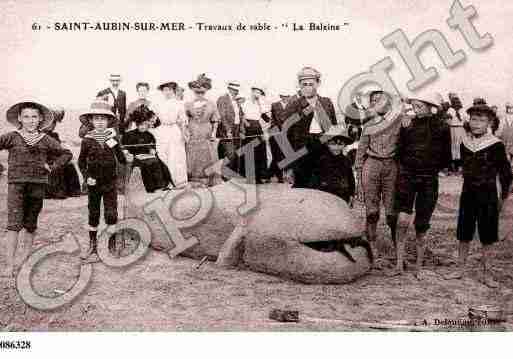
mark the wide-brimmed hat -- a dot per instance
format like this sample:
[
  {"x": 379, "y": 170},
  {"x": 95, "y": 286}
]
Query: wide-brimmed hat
[
  {"x": 171, "y": 84},
  {"x": 234, "y": 85},
  {"x": 98, "y": 107},
  {"x": 479, "y": 106},
  {"x": 259, "y": 87},
  {"x": 14, "y": 111},
  {"x": 308, "y": 73},
  {"x": 202, "y": 83},
  {"x": 337, "y": 131},
  {"x": 433, "y": 99}
]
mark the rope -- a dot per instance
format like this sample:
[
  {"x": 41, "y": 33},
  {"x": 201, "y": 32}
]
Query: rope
[{"x": 196, "y": 140}]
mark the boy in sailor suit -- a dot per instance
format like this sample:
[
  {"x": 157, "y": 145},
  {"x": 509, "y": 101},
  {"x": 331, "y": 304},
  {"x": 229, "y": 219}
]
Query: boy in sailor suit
[{"x": 484, "y": 158}]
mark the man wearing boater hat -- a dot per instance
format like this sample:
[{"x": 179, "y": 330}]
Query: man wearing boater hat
[
  {"x": 230, "y": 127},
  {"x": 312, "y": 116},
  {"x": 117, "y": 99}
]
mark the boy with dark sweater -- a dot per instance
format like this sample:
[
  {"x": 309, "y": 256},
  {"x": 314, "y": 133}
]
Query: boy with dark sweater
[
  {"x": 333, "y": 173},
  {"x": 424, "y": 149},
  {"x": 484, "y": 158},
  {"x": 99, "y": 154},
  {"x": 29, "y": 153}
]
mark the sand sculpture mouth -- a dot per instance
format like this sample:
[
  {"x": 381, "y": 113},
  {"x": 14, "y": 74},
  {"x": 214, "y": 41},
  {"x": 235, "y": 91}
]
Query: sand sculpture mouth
[{"x": 341, "y": 245}]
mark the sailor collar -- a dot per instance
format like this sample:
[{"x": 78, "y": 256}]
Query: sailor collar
[{"x": 475, "y": 144}]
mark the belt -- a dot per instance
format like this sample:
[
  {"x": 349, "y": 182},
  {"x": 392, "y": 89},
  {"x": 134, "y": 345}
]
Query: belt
[{"x": 381, "y": 158}]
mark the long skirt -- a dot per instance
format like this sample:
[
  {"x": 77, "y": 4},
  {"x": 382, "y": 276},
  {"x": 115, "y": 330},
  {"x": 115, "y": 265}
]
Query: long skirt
[
  {"x": 457, "y": 135},
  {"x": 171, "y": 150},
  {"x": 200, "y": 150},
  {"x": 259, "y": 164}
]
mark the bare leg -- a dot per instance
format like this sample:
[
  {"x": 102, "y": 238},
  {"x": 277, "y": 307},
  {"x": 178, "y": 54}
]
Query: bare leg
[
  {"x": 25, "y": 244},
  {"x": 371, "y": 231},
  {"x": 401, "y": 234},
  {"x": 12, "y": 241},
  {"x": 421, "y": 249},
  {"x": 463, "y": 250},
  {"x": 487, "y": 276}
]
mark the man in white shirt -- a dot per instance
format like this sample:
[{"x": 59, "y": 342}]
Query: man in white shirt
[{"x": 316, "y": 115}]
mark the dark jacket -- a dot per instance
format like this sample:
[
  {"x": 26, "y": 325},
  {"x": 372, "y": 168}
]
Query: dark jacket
[
  {"x": 145, "y": 141},
  {"x": 227, "y": 116},
  {"x": 424, "y": 146},
  {"x": 480, "y": 169},
  {"x": 298, "y": 133},
  {"x": 98, "y": 161},
  {"x": 334, "y": 175},
  {"x": 119, "y": 107},
  {"x": 26, "y": 163},
  {"x": 277, "y": 112}
]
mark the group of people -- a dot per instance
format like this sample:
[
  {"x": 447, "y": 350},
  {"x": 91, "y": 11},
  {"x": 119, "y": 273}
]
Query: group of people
[{"x": 396, "y": 147}]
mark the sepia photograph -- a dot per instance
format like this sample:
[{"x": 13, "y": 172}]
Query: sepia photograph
[{"x": 255, "y": 167}]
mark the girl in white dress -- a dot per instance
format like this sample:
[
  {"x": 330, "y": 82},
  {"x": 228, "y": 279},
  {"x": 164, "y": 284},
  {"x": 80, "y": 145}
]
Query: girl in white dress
[{"x": 171, "y": 134}]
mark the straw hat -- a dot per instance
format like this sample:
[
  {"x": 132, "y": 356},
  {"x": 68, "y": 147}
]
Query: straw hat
[
  {"x": 13, "y": 113},
  {"x": 234, "y": 85},
  {"x": 98, "y": 108},
  {"x": 260, "y": 88},
  {"x": 433, "y": 99},
  {"x": 171, "y": 84}
]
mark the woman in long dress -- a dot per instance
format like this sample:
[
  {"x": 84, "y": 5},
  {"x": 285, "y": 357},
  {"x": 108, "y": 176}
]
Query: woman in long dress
[
  {"x": 171, "y": 134},
  {"x": 202, "y": 115}
]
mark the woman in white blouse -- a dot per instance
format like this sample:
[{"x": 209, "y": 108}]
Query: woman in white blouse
[
  {"x": 171, "y": 135},
  {"x": 257, "y": 114}
]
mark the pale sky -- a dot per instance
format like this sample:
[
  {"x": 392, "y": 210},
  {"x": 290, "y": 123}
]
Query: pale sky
[{"x": 68, "y": 68}]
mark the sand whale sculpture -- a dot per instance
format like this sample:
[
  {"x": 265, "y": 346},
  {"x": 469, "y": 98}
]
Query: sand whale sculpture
[{"x": 304, "y": 235}]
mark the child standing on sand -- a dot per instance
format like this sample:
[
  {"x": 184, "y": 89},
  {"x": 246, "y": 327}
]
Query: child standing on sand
[
  {"x": 98, "y": 158},
  {"x": 484, "y": 158},
  {"x": 29, "y": 153}
]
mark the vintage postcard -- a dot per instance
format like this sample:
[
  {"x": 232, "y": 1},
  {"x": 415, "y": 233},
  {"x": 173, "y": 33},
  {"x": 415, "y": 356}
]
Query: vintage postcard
[{"x": 255, "y": 166}]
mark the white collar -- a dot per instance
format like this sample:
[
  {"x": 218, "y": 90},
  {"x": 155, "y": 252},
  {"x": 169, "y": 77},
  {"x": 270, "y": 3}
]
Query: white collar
[{"x": 476, "y": 144}]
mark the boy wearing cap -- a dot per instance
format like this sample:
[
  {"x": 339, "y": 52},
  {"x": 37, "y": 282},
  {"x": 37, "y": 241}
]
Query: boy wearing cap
[
  {"x": 97, "y": 162},
  {"x": 424, "y": 150},
  {"x": 484, "y": 158},
  {"x": 334, "y": 173},
  {"x": 315, "y": 115},
  {"x": 29, "y": 154},
  {"x": 376, "y": 162}
]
